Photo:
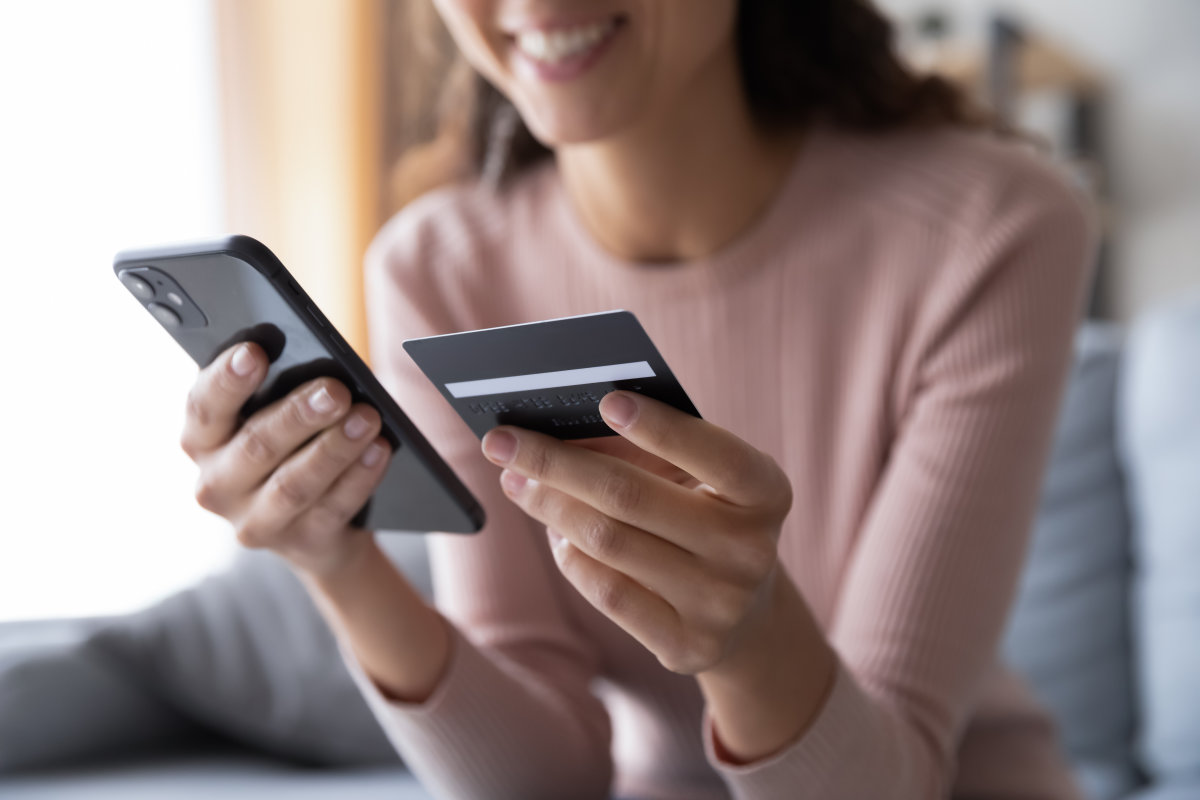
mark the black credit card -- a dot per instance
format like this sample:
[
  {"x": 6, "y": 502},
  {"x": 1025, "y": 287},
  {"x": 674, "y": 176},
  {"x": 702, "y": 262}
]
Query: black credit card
[{"x": 547, "y": 376}]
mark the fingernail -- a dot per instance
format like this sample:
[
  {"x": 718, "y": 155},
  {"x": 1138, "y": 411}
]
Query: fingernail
[
  {"x": 500, "y": 446},
  {"x": 619, "y": 408},
  {"x": 373, "y": 454},
  {"x": 321, "y": 401},
  {"x": 555, "y": 537},
  {"x": 356, "y": 426},
  {"x": 242, "y": 361},
  {"x": 513, "y": 482}
]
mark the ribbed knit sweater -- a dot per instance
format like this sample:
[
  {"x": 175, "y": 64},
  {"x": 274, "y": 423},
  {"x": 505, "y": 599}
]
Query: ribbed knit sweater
[{"x": 894, "y": 330}]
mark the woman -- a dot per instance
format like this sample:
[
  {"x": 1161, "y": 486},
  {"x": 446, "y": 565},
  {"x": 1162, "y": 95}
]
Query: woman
[{"x": 869, "y": 298}]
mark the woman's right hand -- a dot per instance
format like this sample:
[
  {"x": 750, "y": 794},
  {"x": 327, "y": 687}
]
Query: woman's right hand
[{"x": 293, "y": 475}]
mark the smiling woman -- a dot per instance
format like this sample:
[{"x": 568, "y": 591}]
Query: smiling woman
[{"x": 869, "y": 293}]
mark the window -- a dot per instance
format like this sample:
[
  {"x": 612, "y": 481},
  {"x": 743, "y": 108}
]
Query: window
[{"x": 109, "y": 139}]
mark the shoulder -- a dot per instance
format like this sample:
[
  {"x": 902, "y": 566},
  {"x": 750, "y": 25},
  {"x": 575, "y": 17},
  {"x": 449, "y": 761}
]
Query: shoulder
[
  {"x": 454, "y": 231},
  {"x": 967, "y": 186},
  {"x": 958, "y": 218}
]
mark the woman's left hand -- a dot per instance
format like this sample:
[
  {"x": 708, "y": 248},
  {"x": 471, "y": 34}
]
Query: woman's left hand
[{"x": 672, "y": 533}]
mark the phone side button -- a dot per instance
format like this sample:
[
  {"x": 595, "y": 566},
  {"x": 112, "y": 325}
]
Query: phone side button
[{"x": 315, "y": 315}]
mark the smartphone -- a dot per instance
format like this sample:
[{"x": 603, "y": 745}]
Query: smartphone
[{"x": 211, "y": 295}]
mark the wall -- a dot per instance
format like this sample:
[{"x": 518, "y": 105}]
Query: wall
[{"x": 1149, "y": 50}]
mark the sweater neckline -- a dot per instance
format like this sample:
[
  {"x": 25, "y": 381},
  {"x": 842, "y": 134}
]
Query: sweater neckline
[{"x": 737, "y": 258}]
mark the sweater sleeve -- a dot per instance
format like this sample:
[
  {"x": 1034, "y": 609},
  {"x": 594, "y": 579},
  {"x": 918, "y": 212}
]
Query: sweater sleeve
[
  {"x": 927, "y": 591},
  {"x": 514, "y": 715}
]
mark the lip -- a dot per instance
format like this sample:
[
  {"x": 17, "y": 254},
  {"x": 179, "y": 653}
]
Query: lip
[{"x": 568, "y": 68}]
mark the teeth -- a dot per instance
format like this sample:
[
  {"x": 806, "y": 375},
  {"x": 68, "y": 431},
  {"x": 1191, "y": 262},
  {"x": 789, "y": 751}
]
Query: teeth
[{"x": 563, "y": 43}]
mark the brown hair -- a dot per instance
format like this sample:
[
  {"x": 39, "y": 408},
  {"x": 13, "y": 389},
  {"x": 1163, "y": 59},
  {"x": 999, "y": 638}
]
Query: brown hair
[{"x": 800, "y": 60}]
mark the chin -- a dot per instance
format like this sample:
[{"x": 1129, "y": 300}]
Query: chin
[{"x": 560, "y": 129}]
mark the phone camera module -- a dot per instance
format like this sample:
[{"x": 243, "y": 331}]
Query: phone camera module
[
  {"x": 141, "y": 289},
  {"x": 168, "y": 318},
  {"x": 163, "y": 297}
]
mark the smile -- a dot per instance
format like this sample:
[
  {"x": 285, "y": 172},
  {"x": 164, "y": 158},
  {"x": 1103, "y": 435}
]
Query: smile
[{"x": 571, "y": 44}]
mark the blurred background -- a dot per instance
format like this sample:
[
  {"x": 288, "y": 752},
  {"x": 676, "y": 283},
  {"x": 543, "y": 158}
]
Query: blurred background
[
  {"x": 136, "y": 122},
  {"x": 1113, "y": 86}
]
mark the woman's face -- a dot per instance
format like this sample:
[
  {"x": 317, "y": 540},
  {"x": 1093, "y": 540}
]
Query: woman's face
[{"x": 585, "y": 70}]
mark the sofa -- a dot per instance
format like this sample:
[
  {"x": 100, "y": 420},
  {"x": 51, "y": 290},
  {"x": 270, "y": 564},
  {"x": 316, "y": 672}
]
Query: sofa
[{"x": 234, "y": 685}]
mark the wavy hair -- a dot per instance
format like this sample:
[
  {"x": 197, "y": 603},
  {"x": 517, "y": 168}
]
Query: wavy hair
[{"x": 800, "y": 60}]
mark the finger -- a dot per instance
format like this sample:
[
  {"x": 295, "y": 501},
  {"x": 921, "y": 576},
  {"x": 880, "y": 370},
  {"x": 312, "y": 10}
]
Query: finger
[
  {"x": 351, "y": 490},
  {"x": 627, "y": 451},
  {"x": 608, "y": 484},
  {"x": 662, "y": 567},
  {"x": 220, "y": 390},
  {"x": 640, "y": 612},
  {"x": 274, "y": 433},
  {"x": 733, "y": 468},
  {"x": 302, "y": 480}
]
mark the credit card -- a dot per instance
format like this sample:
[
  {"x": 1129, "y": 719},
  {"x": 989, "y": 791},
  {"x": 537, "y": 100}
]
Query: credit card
[{"x": 547, "y": 376}]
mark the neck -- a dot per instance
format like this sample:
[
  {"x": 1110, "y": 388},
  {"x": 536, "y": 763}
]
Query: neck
[{"x": 683, "y": 183}]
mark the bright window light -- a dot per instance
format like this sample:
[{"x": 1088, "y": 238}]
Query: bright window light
[{"x": 109, "y": 140}]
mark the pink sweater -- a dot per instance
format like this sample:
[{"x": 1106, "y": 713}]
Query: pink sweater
[{"x": 894, "y": 331}]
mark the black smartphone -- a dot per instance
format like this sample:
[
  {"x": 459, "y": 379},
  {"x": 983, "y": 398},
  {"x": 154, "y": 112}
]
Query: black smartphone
[{"x": 211, "y": 295}]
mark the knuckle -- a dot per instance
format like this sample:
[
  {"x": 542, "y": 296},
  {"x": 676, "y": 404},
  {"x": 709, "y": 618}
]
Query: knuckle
[
  {"x": 610, "y": 595},
  {"x": 334, "y": 456},
  {"x": 620, "y": 493},
  {"x": 738, "y": 467},
  {"x": 725, "y": 606},
  {"x": 249, "y": 536},
  {"x": 207, "y": 493},
  {"x": 602, "y": 539},
  {"x": 224, "y": 382},
  {"x": 289, "y": 491},
  {"x": 671, "y": 654},
  {"x": 540, "y": 461},
  {"x": 693, "y": 654},
  {"x": 755, "y": 557},
  {"x": 296, "y": 413},
  {"x": 188, "y": 444},
  {"x": 196, "y": 407},
  {"x": 672, "y": 661},
  {"x": 780, "y": 483},
  {"x": 704, "y": 652},
  {"x": 538, "y": 503},
  {"x": 342, "y": 504},
  {"x": 328, "y": 515},
  {"x": 256, "y": 445}
]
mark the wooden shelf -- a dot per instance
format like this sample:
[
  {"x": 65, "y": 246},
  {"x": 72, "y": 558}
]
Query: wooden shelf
[{"x": 1038, "y": 65}]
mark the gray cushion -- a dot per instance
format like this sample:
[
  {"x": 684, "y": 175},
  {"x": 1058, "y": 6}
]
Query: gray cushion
[
  {"x": 1160, "y": 436},
  {"x": 1069, "y": 634},
  {"x": 246, "y": 654},
  {"x": 1181, "y": 790},
  {"x": 62, "y": 699},
  {"x": 207, "y": 775}
]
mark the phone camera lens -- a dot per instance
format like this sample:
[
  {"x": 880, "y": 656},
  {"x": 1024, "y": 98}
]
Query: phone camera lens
[
  {"x": 164, "y": 315},
  {"x": 141, "y": 289}
]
